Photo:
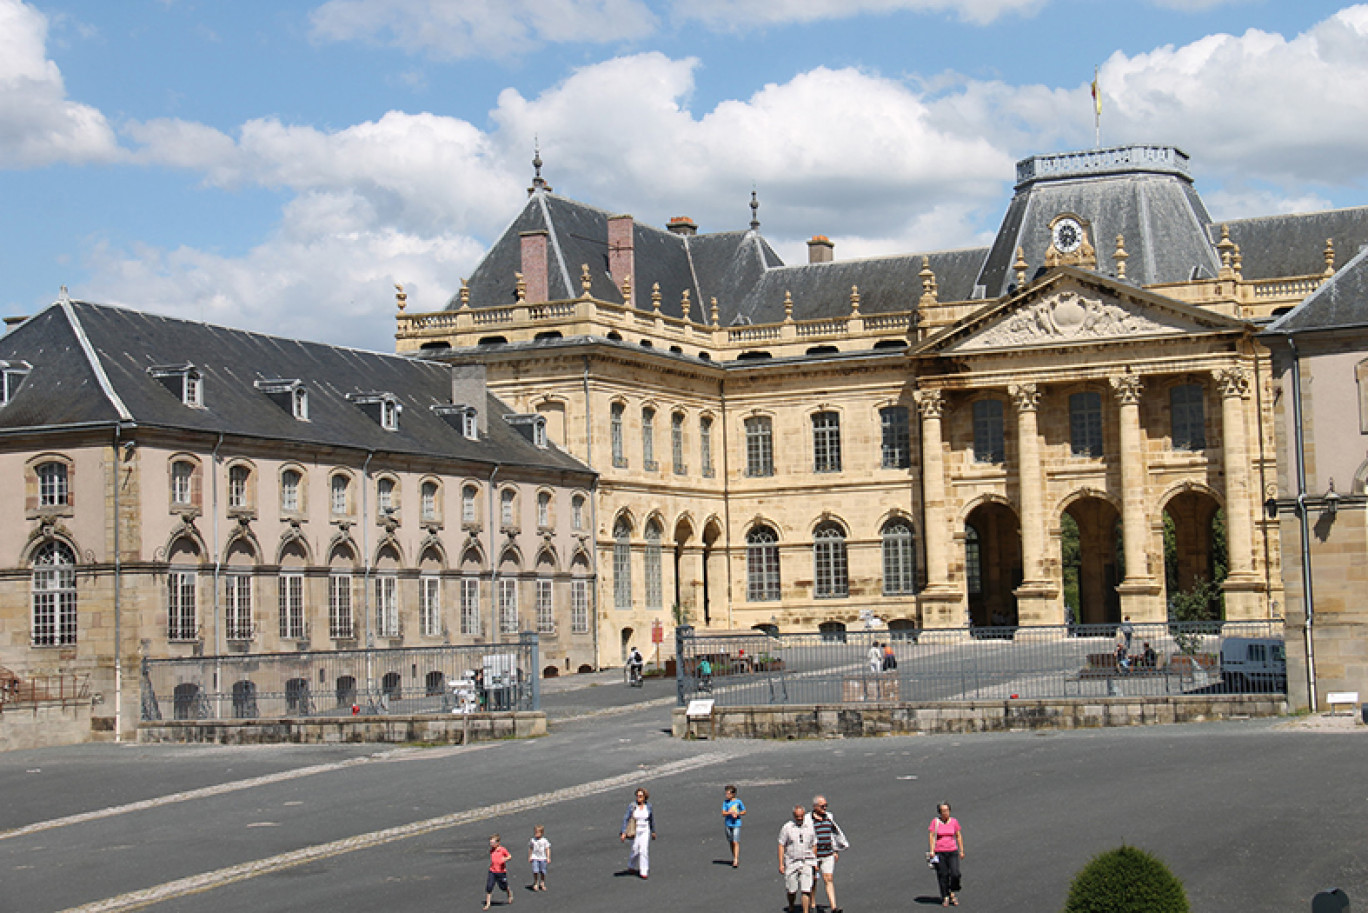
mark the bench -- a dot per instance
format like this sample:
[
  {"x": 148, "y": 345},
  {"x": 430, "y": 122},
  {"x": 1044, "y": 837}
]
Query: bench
[
  {"x": 1104, "y": 665},
  {"x": 1335, "y": 699}
]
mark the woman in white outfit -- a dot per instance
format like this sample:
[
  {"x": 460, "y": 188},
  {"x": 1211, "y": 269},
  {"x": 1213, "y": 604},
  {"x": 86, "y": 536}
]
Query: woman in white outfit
[{"x": 639, "y": 825}]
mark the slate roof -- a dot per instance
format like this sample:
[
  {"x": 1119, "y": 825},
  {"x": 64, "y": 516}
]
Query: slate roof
[
  {"x": 89, "y": 364},
  {"x": 1294, "y": 245},
  {"x": 1341, "y": 302}
]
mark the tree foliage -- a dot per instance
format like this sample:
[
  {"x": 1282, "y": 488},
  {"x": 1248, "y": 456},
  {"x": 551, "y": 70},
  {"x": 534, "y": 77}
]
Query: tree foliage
[{"x": 1126, "y": 880}]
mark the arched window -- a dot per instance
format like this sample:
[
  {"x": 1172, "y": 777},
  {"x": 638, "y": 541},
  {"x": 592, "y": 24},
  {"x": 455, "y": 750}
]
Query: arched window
[
  {"x": 239, "y": 477},
  {"x": 290, "y": 486},
  {"x": 899, "y": 559},
  {"x": 543, "y": 510},
  {"x": 654, "y": 587},
  {"x": 468, "y": 513},
  {"x": 385, "y": 501},
  {"x": 762, "y": 565},
  {"x": 577, "y": 512},
  {"x": 507, "y": 514},
  {"x": 339, "y": 490},
  {"x": 54, "y": 596},
  {"x": 829, "y": 562},
  {"x": 53, "y": 490},
  {"x": 622, "y": 564},
  {"x": 182, "y": 483},
  {"x": 429, "y": 501}
]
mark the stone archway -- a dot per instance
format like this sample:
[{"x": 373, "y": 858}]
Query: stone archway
[
  {"x": 1090, "y": 546},
  {"x": 688, "y": 575},
  {"x": 714, "y": 574},
  {"x": 992, "y": 565},
  {"x": 1194, "y": 548}
]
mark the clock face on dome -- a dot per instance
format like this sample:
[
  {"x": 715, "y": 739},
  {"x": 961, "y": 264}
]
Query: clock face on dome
[{"x": 1068, "y": 236}]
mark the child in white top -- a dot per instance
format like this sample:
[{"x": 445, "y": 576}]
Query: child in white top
[{"x": 539, "y": 856}]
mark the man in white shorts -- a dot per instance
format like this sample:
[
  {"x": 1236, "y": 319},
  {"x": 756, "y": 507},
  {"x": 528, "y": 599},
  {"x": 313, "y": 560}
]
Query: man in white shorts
[{"x": 797, "y": 857}]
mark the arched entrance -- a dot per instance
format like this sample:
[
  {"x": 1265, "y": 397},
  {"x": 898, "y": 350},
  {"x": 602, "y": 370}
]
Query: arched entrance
[
  {"x": 687, "y": 573},
  {"x": 992, "y": 564},
  {"x": 1090, "y": 554},
  {"x": 1195, "y": 561},
  {"x": 714, "y": 574}
]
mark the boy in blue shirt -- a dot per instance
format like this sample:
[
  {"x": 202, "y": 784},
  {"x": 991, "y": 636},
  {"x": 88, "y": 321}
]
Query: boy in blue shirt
[{"x": 732, "y": 810}]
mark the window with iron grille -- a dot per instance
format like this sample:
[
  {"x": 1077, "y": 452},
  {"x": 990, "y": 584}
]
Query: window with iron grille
[
  {"x": 386, "y": 606},
  {"x": 341, "y": 623},
  {"x": 1187, "y": 410},
  {"x": 653, "y": 562},
  {"x": 615, "y": 428},
  {"x": 546, "y": 617},
  {"x": 52, "y": 485},
  {"x": 622, "y": 565},
  {"x": 677, "y": 443},
  {"x": 292, "y": 606},
  {"x": 1085, "y": 424},
  {"x": 53, "y": 591},
  {"x": 182, "y": 617},
  {"x": 896, "y": 451},
  {"x": 430, "y": 605},
  {"x": 705, "y": 457},
  {"x": 988, "y": 445},
  {"x": 508, "y": 605},
  {"x": 237, "y": 606},
  {"x": 470, "y": 605},
  {"x": 762, "y": 565},
  {"x": 759, "y": 446},
  {"x": 829, "y": 558},
  {"x": 826, "y": 442},
  {"x": 899, "y": 559},
  {"x": 579, "y": 607}
]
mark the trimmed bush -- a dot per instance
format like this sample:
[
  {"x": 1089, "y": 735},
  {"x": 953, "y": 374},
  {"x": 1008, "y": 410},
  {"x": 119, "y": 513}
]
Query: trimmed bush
[{"x": 1126, "y": 880}]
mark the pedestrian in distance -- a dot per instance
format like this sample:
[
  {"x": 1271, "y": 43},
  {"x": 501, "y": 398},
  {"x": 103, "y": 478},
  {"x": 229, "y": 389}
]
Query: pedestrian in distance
[
  {"x": 1127, "y": 632},
  {"x": 638, "y": 825},
  {"x": 732, "y": 811},
  {"x": 875, "y": 657},
  {"x": 797, "y": 858},
  {"x": 829, "y": 841},
  {"x": 498, "y": 870},
  {"x": 946, "y": 851},
  {"x": 539, "y": 857},
  {"x": 890, "y": 659}
]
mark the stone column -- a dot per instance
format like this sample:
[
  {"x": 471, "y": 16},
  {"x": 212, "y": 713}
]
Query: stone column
[
  {"x": 942, "y": 606},
  {"x": 1037, "y": 597},
  {"x": 1139, "y": 591},
  {"x": 1243, "y": 589}
]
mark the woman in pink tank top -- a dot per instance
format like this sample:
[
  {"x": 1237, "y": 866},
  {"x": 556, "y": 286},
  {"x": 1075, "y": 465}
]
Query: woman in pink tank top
[{"x": 946, "y": 850}]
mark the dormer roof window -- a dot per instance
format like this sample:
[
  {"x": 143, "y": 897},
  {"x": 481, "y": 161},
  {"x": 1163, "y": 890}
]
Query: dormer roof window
[
  {"x": 12, "y": 377},
  {"x": 184, "y": 381},
  {"x": 383, "y": 407},
  {"x": 466, "y": 419},
  {"x": 288, "y": 393},
  {"x": 531, "y": 426}
]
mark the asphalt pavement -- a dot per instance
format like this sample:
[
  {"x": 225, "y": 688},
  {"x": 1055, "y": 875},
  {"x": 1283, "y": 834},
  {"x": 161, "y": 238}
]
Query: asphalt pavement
[{"x": 1250, "y": 815}]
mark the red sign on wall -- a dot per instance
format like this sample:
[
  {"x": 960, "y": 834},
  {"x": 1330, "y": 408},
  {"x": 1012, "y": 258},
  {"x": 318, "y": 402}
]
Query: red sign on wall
[{"x": 657, "y": 632}]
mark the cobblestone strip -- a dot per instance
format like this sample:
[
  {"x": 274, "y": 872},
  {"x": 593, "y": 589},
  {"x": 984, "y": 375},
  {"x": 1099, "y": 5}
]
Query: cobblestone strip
[{"x": 206, "y": 881}]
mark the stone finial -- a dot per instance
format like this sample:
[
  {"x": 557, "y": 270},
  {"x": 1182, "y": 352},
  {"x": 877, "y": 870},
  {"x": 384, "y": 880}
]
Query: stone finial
[
  {"x": 928, "y": 281},
  {"x": 1120, "y": 256},
  {"x": 1021, "y": 266},
  {"x": 400, "y": 296},
  {"x": 655, "y": 297},
  {"x": 685, "y": 305},
  {"x": 788, "y": 307},
  {"x": 586, "y": 281},
  {"x": 713, "y": 310},
  {"x": 1237, "y": 262},
  {"x": 755, "y": 212},
  {"x": 854, "y": 301},
  {"x": 465, "y": 294},
  {"x": 520, "y": 287},
  {"x": 1329, "y": 256},
  {"x": 1226, "y": 248},
  {"x": 627, "y": 288}
]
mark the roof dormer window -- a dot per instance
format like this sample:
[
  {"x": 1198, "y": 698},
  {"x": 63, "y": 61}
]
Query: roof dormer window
[
  {"x": 465, "y": 419},
  {"x": 12, "y": 377},
  {"x": 532, "y": 427},
  {"x": 184, "y": 381},
  {"x": 288, "y": 394},
  {"x": 383, "y": 407}
]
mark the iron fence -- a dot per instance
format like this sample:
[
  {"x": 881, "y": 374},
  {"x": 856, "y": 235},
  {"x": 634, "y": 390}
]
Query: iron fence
[
  {"x": 43, "y": 688},
  {"x": 756, "y": 667},
  {"x": 405, "y": 680}
]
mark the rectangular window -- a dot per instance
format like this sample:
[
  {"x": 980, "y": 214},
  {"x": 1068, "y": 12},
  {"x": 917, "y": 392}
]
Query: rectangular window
[
  {"x": 340, "y": 621},
  {"x": 386, "y": 606},
  {"x": 508, "y": 605},
  {"x": 988, "y": 440},
  {"x": 546, "y": 616},
  {"x": 897, "y": 438},
  {"x": 292, "y": 606},
  {"x": 289, "y": 491},
  {"x": 826, "y": 442},
  {"x": 1188, "y": 410},
  {"x": 1085, "y": 424},
  {"x": 429, "y": 505},
  {"x": 648, "y": 440},
  {"x": 705, "y": 457},
  {"x": 237, "y": 607},
  {"x": 622, "y": 573},
  {"x": 430, "y": 605},
  {"x": 52, "y": 485},
  {"x": 181, "y": 475},
  {"x": 54, "y": 604},
  {"x": 468, "y": 504},
  {"x": 759, "y": 446},
  {"x": 182, "y": 618},
  {"x": 677, "y": 443},
  {"x": 506, "y": 509},
  {"x": 543, "y": 510},
  {"x": 579, "y": 607},
  {"x": 615, "y": 427},
  {"x": 339, "y": 495},
  {"x": 470, "y": 605},
  {"x": 577, "y": 513},
  {"x": 237, "y": 486}
]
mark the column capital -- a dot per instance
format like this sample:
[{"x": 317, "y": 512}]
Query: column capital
[
  {"x": 1126, "y": 388},
  {"x": 930, "y": 402},
  {"x": 1026, "y": 397},
  {"x": 1232, "y": 382}
]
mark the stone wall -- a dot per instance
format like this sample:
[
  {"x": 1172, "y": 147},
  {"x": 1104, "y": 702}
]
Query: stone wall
[
  {"x": 447, "y": 728},
  {"x": 837, "y": 720},
  {"x": 43, "y": 725}
]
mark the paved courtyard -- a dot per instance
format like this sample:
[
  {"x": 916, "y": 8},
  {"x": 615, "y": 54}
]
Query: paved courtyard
[{"x": 1255, "y": 815}]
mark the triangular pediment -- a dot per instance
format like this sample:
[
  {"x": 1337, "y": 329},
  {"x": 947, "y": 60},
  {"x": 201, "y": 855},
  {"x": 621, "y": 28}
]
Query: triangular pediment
[{"x": 1074, "y": 307}]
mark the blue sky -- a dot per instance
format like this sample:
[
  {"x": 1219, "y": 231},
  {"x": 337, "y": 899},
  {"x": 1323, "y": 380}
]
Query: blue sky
[{"x": 279, "y": 165}]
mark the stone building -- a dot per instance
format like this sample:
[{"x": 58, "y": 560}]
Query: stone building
[
  {"x": 190, "y": 489},
  {"x": 914, "y": 438},
  {"x": 1320, "y": 372}
]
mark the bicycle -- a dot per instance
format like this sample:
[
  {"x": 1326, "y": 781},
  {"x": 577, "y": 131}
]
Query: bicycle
[{"x": 634, "y": 677}]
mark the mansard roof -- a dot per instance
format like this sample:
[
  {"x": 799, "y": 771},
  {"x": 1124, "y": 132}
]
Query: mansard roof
[
  {"x": 1340, "y": 303},
  {"x": 1294, "y": 244},
  {"x": 90, "y": 366}
]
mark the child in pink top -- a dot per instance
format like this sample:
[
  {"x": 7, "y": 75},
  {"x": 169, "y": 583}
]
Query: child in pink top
[{"x": 945, "y": 852}]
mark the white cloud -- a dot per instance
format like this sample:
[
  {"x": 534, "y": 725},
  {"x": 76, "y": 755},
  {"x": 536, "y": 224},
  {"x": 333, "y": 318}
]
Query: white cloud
[
  {"x": 445, "y": 30},
  {"x": 737, "y": 14},
  {"x": 39, "y": 125}
]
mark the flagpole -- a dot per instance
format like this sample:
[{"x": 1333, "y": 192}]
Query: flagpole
[{"x": 1097, "y": 113}]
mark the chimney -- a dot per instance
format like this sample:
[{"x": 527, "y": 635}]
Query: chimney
[
  {"x": 621, "y": 256},
  {"x": 683, "y": 225},
  {"x": 534, "y": 265},
  {"x": 468, "y": 389},
  {"x": 820, "y": 249}
]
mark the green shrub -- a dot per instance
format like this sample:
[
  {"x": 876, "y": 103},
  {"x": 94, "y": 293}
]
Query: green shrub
[{"x": 1126, "y": 880}]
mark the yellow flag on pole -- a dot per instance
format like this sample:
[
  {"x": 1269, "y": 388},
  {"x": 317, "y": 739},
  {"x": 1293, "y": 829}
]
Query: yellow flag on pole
[{"x": 1097, "y": 96}]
